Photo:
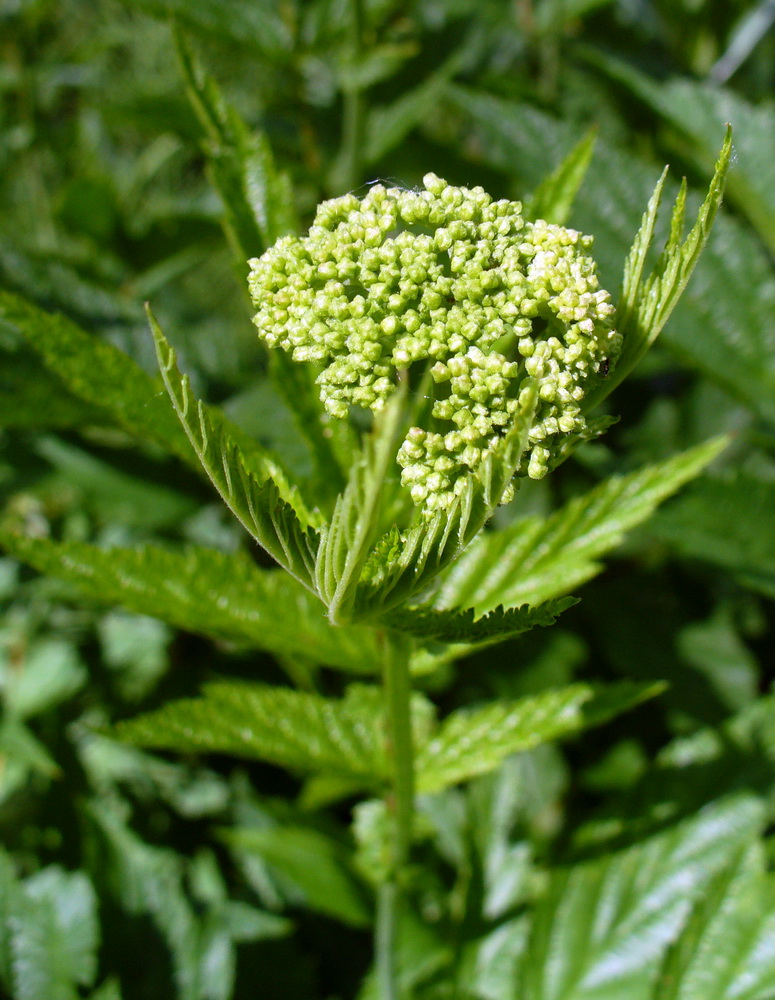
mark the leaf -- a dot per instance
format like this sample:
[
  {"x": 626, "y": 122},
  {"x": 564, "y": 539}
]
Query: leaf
[
  {"x": 357, "y": 518},
  {"x": 536, "y": 558},
  {"x": 54, "y": 936},
  {"x": 50, "y": 673},
  {"x": 149, "y": 880},
  {"x": 388, "y": 125},
  {"x": 313, "y": 862},
  {"x": 727, "y": 523},
  {"x": 474, "y": 741},
  {"x": 31, "y": 396},
  {"x": 257, "y": 198},
  {"x": 726, "y": 950},
  {"x": 292, "y": 729},
  {"x": 719, "y": 327},
  {"x": 602, "y": 927},
  {"x": 648, "y": 303},
  {"x": 403, "y": 565},
  {"x": 259, "y": 26},
  {"x": 205, "y": 591},
  {"x": 98, "y": 374},
  {"x": 463, "y": 626},
  {"x": 553, "y": 199},
  {"x": 250, "y": 483},
  {"x": 700, "y": 111}
]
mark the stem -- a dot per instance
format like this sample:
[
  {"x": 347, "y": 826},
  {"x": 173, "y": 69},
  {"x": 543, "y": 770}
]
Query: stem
[
  {"x": 348, "y": 170},
  {"x": 397, "y": 686},
  {"x": 385, "y": 942}
]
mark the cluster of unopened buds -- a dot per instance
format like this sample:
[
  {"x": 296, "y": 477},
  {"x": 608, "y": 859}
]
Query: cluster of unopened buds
[{"x": 450, "y": 280}]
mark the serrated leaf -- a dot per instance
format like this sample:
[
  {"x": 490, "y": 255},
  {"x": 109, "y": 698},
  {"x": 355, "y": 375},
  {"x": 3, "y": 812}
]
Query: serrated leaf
[
  {"x": 292, "y": 729},
  {"x": 357, "y": 517},
  {"x": 314, "y": 863},
  {"x": 536, "y": 559},
  {"x": 250, "y": 483},
  {"x": 474, "y": 741},
  {"x": 727, "y": 523},
  {"x": 205, "y": 591},
  {"x": 54, "y": 936},
  {"x": 719, "y": 327},
  {"x": 389, "y": 124},
  {"x": 646, "y": 304},
  {"x": 553, "y": 199},
  {"x": 726, "y": 950},
  {"x": 403, "y": 565},
  {"x": 31, "y": 396},
  {"x": 464, "y": 626},
  {"x": 148, "y": 880},
  {"x": 700, "y": 111},
  {"x": 257, "y": 198},
  {"x": 98, "y": 374},
  {"x": 602, "y": 927}
]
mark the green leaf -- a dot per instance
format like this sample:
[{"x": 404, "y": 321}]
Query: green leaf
[
  {"x": 719, "y": 327},
  {"x": 537, "y": 558},
  {"x": 389, "y": 124},
  {"x": 314, "y": 863},
  {"x": 700, "y": 111},
  {"x": 98, "y": 374},
  {"x": 727, "y": 523},
  {"x": 31, "y": 396},
  {"x": 403, "y": 565},
  {"x": 726, "y": 948},
  {"x": 474, "y": 741},
  {"x": 465, "y": 627},
  {"x": 113, "y": 495},
  {"x": 52, "y": 673},
  {"x": 602, "y": 927},
  {"x": 553, "y": 199},
  {"x": 257, "y": 198},
  {"x": 202, "y": 590},
  {"x": 357, "y": 518},
  {"x": 54, "y": 936},
  {"x": 292, "y": 729},
  {"x": 646, "y": 304},
  {"x": 249, "y": 481},
  {"x": 149, "y": 880}
]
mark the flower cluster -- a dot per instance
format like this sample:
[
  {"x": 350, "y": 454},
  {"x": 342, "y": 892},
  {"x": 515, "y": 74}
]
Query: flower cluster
[{"x": 449, "y": 278}]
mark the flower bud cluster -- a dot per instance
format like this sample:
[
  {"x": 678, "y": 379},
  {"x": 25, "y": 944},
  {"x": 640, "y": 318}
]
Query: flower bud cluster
[{"x": 449, "y": 278}]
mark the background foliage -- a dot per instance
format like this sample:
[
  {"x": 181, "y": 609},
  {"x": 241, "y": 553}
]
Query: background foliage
[{"x": 135, "y": 164}]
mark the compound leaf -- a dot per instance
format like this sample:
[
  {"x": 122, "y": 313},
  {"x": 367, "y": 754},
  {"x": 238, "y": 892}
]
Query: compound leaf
[
  {"x": 205, "y": 591},
  {"x": 536, "y": 559},
  {"x": 403, "y": 565},
  {"x": 292, "y": 729},
  {"x": 553, "y": 199},
  {"x": 474, "y": 741},
  {"x": 726, "y": 949},
  {"x": 463, "y": 626},
  {"x": 602, "y": 927},
  {"x": 355, "y": 524},
  {"x": 99, "y": 374},
  {"x": 249, "y": 481}
]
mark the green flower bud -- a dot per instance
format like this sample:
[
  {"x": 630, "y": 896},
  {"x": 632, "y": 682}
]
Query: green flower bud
[{"x": 449, "y": 278}]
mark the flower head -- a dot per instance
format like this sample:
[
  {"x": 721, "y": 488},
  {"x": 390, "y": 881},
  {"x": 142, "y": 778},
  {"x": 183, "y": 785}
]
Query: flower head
[{"x": 449, "y": 278}]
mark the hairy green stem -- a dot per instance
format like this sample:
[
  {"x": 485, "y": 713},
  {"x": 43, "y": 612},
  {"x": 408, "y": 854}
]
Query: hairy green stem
[{"x": 397, "y": 687}]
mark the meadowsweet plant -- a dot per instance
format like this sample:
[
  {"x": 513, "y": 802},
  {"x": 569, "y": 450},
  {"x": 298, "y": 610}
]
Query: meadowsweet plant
[
  {"x": 436, "y": 348},
  {"x": 493, "y": 307}
]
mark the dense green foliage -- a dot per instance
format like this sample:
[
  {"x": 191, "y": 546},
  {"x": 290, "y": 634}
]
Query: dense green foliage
[{"x": 201, "y": 778}]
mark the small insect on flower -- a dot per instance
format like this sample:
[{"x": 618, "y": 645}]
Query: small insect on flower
[{"x": 452, "y": 280}]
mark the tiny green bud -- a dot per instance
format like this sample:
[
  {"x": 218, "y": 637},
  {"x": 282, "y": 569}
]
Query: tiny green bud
[{"x": 440, "y": 277}]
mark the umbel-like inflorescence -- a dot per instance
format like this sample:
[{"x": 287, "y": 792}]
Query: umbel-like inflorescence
[{"x": 448, "y": 278}]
